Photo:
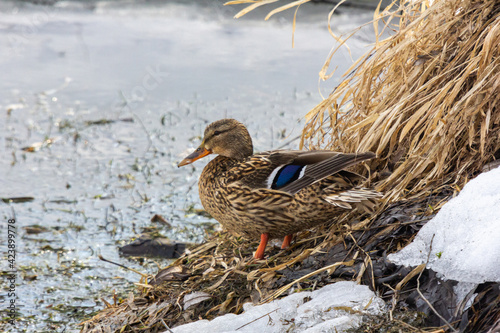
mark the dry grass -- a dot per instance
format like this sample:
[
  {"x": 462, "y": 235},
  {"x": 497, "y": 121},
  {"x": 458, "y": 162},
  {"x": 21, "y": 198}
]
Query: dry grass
[{"x": 426, "y": 99}]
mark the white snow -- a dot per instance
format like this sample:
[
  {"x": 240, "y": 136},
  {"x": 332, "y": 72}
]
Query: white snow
[
  {"x": 333, "y": 308},
  {"x": 466, "y": 244}
]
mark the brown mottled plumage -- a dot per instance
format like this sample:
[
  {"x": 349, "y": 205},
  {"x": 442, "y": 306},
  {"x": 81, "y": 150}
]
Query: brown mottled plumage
[{"x": 276, "y": 193}]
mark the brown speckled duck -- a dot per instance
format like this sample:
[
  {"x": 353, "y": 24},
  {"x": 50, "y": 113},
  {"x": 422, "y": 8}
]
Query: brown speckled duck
[{"x": 276, "y": 193}]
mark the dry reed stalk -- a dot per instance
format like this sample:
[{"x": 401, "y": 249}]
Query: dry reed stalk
[{"x": 426, "y": 99}]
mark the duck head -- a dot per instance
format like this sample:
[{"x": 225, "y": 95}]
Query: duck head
[{"x": 226, "y": 137}]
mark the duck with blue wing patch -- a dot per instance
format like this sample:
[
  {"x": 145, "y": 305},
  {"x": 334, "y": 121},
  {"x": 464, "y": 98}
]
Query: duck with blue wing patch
[{"x": 277, "y": 193}]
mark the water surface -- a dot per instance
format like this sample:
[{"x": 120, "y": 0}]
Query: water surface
[{"x": 111, "y": 96}]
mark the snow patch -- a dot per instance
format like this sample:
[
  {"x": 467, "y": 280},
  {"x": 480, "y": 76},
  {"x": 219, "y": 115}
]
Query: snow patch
[
  {"x": 466, "y": 244},
  {"x": 333, "y": 308}
]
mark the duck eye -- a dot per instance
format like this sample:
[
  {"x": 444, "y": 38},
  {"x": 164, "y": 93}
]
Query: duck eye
[{"x": 217, "y": 132}]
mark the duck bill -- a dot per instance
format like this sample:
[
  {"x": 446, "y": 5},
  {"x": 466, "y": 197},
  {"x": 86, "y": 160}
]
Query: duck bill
[{"x": 198, "y": 153}]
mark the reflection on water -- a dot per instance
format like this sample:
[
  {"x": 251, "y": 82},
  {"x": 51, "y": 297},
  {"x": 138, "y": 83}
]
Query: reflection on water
[{"x": 110, "y": 96}]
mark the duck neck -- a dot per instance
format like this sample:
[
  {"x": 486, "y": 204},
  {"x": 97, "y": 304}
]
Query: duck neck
[
  {"x": 243, "y": 152},
  {"x": 218, "y": 165}
]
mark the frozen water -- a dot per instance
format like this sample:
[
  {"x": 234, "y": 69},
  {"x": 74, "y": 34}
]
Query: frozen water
[
  {"x": 333, "y": 308},
  {"x": 466, "y": 231}
]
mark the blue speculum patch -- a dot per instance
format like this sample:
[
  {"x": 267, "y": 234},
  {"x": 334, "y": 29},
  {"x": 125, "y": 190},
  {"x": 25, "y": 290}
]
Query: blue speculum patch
[{"x": 286, "y": 175}]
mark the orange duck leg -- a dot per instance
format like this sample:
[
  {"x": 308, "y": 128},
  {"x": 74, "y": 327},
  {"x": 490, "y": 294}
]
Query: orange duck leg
[
  {"x": 286, "y": 241},
  {"x": 259, "y": 254}
]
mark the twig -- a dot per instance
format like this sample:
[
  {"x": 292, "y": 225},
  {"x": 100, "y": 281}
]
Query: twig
[
  {"x": 408, "y": 325},
  {"x": 425, "y": 299},
  {"x": 305, "y": 277},
  {"x": 164, "y": 324},
  {"x": 364, "y": 266},
  {"x": 398, "y": 224},
  {"x": 394, "y": 301},
  {"x": 148, "y": 136},
  {"x": 257, "y": 318},
  {"x": 289, "y": 141},
  {"x": 123, "y": 266}
]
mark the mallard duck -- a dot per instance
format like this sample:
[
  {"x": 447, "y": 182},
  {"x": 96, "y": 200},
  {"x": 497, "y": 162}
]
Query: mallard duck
[{"x": 277, "y": 193}]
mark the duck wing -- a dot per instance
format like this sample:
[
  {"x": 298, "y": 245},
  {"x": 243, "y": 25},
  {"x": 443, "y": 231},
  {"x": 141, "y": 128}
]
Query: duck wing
[
  {"x": 290, "y": 171},
  {"x": 312, "y": 173}
]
